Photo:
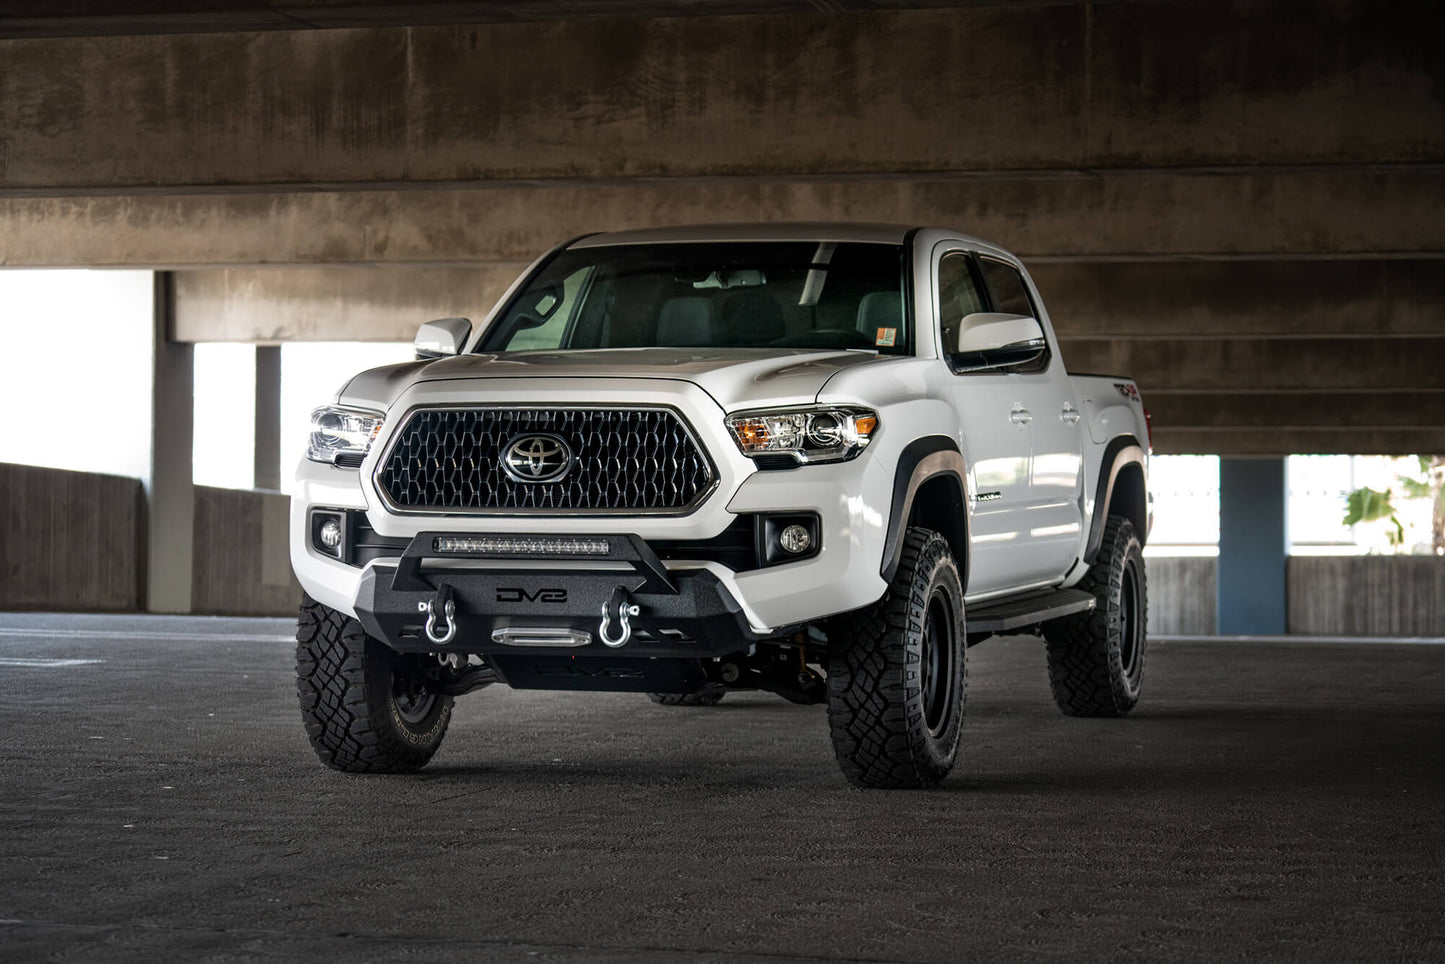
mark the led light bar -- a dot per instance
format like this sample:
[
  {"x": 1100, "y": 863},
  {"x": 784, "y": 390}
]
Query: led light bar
[{"x": 521, "y": 546}]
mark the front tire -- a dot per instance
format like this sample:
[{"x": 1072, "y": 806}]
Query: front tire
[
  {"x": 1096, "y": 659},
  {"x": 897, "y": 674},
  {"x": 365, "y": 707}
]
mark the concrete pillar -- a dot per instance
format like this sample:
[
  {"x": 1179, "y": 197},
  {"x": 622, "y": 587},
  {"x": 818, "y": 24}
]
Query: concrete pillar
[
  {"x": 1252, "y": 547},
  {"x": 268, "y": 417},
  {"x": 169, "y": 492}
]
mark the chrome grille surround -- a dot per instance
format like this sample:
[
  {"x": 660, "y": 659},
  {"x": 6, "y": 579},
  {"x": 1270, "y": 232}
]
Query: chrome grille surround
[{"x": 628, "y": 460}]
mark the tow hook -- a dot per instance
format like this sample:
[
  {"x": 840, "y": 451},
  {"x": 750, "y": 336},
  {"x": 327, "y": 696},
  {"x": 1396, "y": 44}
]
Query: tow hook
[
  {"x": 442, "y": 601},
  {"x": 617, "y": 603}
]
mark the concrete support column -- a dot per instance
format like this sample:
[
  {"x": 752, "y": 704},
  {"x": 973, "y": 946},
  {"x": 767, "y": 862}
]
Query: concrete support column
[
  {"x": 268, "y": 417},
  {"x": 169, "y": 491},
  {"x": 1252, "y": 547}
]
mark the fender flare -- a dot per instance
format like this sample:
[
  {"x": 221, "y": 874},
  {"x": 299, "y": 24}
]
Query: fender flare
[
  {"x": 1121, "y": 452},
  {"x": 921, "y": 460}
]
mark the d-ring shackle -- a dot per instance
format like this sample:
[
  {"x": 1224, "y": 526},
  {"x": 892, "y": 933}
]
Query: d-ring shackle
[
  {"x": 625, "y": 610},
  {"x": 449, "y": 611}
]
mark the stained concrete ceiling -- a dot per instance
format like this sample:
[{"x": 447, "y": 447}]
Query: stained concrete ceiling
[
  {"x": 1240, "y": 205},
  {"x": 80, "y": 18}
]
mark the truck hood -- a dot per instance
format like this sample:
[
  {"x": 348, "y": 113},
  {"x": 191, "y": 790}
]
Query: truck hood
[{"x": 734, "y": 377}]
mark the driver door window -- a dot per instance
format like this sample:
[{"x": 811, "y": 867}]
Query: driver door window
[
  {"x": 958, "y": 296},
  {"x": 1006, "y": 286}
]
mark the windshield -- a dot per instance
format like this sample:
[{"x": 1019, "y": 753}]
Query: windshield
[{"x": 711, "y": 295}]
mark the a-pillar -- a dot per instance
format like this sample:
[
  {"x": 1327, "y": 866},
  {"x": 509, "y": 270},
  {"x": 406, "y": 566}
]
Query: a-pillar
[
  {"x": 268, "y": 417},
  {"x": 169, "y": 492},
  {"x": 1253, "y": 547}
]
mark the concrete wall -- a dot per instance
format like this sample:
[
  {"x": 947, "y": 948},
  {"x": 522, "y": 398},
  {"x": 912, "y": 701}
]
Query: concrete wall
[
  {"x": 70, "y": 540},
  {"x": 1367, "y": 595},
  {"x": 1181, "y": 595},
  {"x": 74, "y": 541},
  {"x": 1327, "y": 595},
  {"x": 241, "y": 564}
]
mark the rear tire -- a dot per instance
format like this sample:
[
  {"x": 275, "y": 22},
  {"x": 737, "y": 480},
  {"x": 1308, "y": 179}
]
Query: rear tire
[
  {"x": 365, "y": 707},
  {"x": 897, "y": 674},
  {"x": 710, "y": 695},
  {"x": 1096, "y": 659}
]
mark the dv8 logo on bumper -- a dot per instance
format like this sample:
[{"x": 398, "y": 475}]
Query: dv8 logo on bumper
[
  {"x": 536, "y": 458},
  {"x": 515, "y": 595}
]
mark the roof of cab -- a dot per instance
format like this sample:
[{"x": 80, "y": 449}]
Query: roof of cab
[{"x": 780, "y": 231}]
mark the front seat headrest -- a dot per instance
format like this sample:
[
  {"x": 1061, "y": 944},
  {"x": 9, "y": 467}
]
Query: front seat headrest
[
  {"x": 688, "y": 322},
  {"x": 879, "y": 309}
]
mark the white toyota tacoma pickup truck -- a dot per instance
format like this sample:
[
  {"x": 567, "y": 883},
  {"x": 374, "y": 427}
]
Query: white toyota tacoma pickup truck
[{"x": 816, "y": 459}]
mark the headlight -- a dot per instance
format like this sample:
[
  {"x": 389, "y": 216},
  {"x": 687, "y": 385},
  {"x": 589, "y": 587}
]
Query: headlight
[
  {"x": 341, "y": 436},
  {"x": 807, "y": 435}
]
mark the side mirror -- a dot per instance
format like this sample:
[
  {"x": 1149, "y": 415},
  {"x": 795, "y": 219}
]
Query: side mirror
[
  {"x": 993, "y": 339},
  {"x": 443, "y": 337}
]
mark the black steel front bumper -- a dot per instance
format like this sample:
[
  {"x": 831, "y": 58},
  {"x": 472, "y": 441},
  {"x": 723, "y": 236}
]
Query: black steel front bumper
[{"x": 502, "y": 599}]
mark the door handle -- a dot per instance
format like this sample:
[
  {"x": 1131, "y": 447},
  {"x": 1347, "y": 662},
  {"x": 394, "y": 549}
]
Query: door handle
[
  {"x": 1070, "y": 414},
  {"x": 1020, "y": 415}
]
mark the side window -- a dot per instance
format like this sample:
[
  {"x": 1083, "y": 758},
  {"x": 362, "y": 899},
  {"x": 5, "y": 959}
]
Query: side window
[
  {"x": 1006, "y": 286},
  {"x": 1008, "y": 293},
  {"x": 958, "y": 295}
]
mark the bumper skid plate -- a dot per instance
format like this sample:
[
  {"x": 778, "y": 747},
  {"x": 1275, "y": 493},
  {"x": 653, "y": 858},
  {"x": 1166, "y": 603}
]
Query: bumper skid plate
[{"x": 536, "y": 612}]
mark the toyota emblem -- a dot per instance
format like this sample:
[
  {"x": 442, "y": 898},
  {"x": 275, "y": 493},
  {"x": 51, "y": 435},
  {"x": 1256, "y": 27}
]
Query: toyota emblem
[{"x": 536, "y": 458}]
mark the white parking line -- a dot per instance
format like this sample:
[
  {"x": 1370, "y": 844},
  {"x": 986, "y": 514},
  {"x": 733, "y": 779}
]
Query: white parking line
[
  {"x": 40, "y": 662},
  {"x": 40, "y": 633}
]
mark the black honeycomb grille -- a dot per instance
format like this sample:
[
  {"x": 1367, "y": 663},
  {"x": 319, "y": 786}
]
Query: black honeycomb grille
[{"x": 624, "y": 460}]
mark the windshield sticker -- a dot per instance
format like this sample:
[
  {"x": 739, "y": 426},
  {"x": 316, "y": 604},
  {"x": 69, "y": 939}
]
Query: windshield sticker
[{"x": 886, "y": 337}]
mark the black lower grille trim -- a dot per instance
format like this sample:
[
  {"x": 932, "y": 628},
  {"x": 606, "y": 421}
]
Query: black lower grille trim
[{"x": 734, "y": 547}]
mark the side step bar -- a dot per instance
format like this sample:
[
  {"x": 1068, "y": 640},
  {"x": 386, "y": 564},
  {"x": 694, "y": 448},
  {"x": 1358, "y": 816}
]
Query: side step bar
[{"x": 1001, "y": 616}]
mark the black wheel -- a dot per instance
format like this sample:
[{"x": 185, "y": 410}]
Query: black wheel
[
  {"x": 897, "y": 674},
  {"x": 1096, "y": 659},
  {"x": 710, "y": 695},
  {"x": 365, "y": 707}
]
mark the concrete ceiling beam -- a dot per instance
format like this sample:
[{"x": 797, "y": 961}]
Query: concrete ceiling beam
[
  {"x": 1321, "y": 364},
  {"x": 81, "y": 18},
  {"x": 1114, "y": 301},
  {"x": 1287, "y": 440},
  {"x": 1013, "y": 87},
  {"x": 1245, "y": 299},
  {"x": 380, "y": 303},
  {"x": 1348, "y": 213},
  {"x": 1313, "y": 409}
]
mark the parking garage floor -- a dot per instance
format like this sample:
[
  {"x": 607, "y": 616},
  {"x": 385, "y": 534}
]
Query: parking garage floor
[{"x": 1276, "y": 800}]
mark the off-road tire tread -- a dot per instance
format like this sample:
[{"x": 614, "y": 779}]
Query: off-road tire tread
[
  {"x": 349, "y": 731},
  {"x": 1085, "y": 673},
  {"x": 872, "y": 736}
]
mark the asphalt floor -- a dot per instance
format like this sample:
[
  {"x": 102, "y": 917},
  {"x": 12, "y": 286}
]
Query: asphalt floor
[{"x": 1268, "y": 800}]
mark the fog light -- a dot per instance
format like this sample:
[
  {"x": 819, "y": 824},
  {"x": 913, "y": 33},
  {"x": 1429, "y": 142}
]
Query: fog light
[
  {"x": 330, "y": 534},
  {"x": 795, "y": 539}
]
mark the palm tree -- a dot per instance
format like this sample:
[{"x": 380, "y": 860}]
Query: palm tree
[{"x": 1369, "y": 505}]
